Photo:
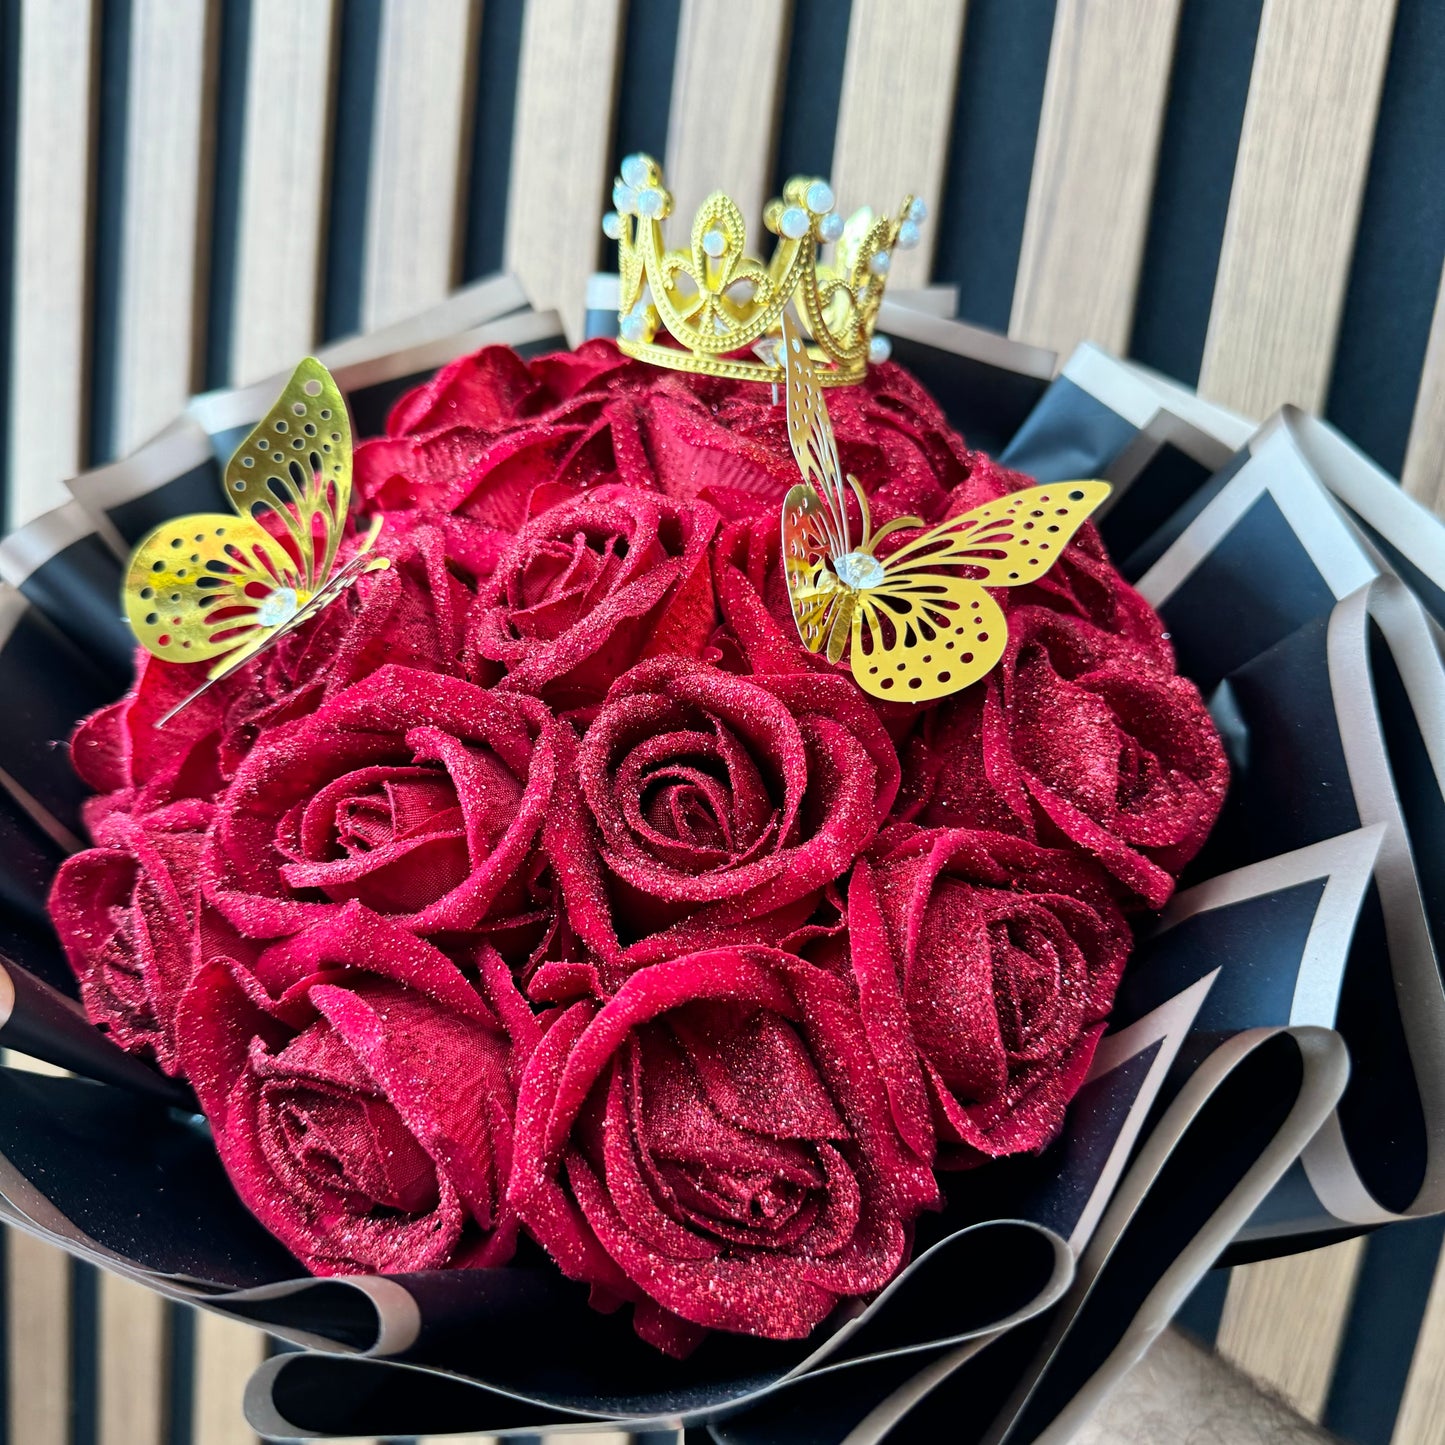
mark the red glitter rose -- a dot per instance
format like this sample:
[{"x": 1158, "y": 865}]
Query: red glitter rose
[
  {"x": 128, "y": 913},
  {"x": 489, "y": 429},
  {"x": 990, "y": 962},
  {"x": 593, "y": 584},
  {"x": 419, "y": 795},
  {"x": 361, "y": 1094},
  {"x": 1078, "y": 737},
  {"x": 714, "y": 1144},
  {"x": 721, "y": 805},
  {"x": 135, "y": 766}
]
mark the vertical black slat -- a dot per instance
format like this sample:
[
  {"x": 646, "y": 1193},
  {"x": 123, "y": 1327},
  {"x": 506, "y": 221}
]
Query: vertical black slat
[
  {"x": 1202, "y": 1311},
  {"x": 109, "y": 224},
  {"x": 9, "y": 147},
  {"x": 1213, "y": 56},
  {"x": 235, "y": 47},
  {"x": 808, "y": 124},
  {"x": 995, "y": 128},
  {"x": 350, "y": 166},
  {"x": 644, "y": 89},
  {"x": 84, "y": 1353},
  {"x": 498, "y": 56},
  {"x": 1395, "y": 274},
  {"x": 1388, "y": 1305},
  {"x": 181, "y": 1374},
  {"x": 812, "y": 86}
]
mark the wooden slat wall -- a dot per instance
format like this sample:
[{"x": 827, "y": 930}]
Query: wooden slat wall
[
  {"x": 1424, "y": 471},
  {"x": 894, "y": 114},
  {"x": 37, "y": 1331},
  {"x": 1421, "y": 1419},
  {"x": 419, "y": 155},
  {"x": 226, "y": 1354},
  {"x": 562, "y": 166},
  {"x": 1298, "y": 181},
  {"x": 37, "y": 1327},
  {"x": 164, "y": 235},
  {"x": 52, "y": 229},
  {"x": 134, "y": 1380},
  {"x": 1282, "y": 275},
  {"x": 721, "y": 132},
  {"x": 282, "y": 224},
  {"x": 1093, "y": 175},
  {"x": 1284, "y": 1319}
]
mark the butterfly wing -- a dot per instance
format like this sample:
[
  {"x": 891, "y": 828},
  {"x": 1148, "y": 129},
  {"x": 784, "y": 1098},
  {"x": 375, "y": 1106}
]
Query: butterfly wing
[
  {"x": 922, "y": 637},
  {"x": 256, "y": 640},
  {"x": 292, "y": 475},
  {"x": 1009, "y": 541},
  {"x": 927, "y": 630},
  {"x": 810, "y": 434},
  {"x": 200, "y": 587},
  {"x": 814, "y": 592}
]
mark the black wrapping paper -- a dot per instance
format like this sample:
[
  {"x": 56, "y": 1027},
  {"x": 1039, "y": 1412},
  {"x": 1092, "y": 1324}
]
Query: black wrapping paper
[{"x": 1216, "y": 1115}]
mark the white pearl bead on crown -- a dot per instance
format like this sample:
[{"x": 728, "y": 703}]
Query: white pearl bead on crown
[
  {"x": 794, "y": 223},
  {"x": 819, "y": 197}
]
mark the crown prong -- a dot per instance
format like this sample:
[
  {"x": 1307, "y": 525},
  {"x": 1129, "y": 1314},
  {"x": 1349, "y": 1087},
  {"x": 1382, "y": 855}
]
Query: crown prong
[{"x": 716, "y": 301}]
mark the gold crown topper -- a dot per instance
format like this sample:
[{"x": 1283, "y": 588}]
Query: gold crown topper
[{"x": 715, "y": 300}]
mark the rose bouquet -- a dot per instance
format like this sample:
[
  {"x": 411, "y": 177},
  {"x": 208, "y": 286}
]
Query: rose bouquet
[
  {"x": 548, "y": 883},
  {"x": 545, "y": 945}
]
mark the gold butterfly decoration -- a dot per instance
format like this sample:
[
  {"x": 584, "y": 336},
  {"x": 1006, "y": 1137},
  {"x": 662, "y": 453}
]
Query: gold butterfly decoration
[
  {"x": 916, "y": 624},
  {"x": 225, "y": 586}
]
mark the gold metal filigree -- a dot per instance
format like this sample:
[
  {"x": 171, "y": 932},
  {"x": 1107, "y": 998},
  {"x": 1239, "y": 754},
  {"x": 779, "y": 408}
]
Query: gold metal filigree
[
  {"x": 717, "y": 303},
  {"x": 916, "y": 624},
  {"x": 219, "y": 586}
]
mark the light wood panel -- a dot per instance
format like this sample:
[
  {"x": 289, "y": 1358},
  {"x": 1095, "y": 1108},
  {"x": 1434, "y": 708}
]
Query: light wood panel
[
  {"x": 1093, "y": 176},
  {"x": 419, "y": 150},
  {"x": 289, "y": 91},
  {"x": 725, "y": 94},
  {"x": 562, "y": 166},
  {"x": 164, "y": 232},
  {"x": 226, "y": 1354},
  {"x": 1303, "y": 156},
  {"x": 1421, "y": 1417},
  {"x": 37, "y": 1322},
  {"x": 895, "y": 113},
  {"x": 37, "y": 1327},
  {"x": 1283, "y": 1321},
  {"x": 52, "y": 218},
  {"x": 1423, "y": 474},
  {"x": 133, "y": 1354}
]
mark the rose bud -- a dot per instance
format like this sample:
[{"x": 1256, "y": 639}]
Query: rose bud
[
  {"x": 715, "y": 1145},
  {"x": 360, "y": 1090},
  {"x": 991, "y": 963}
]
